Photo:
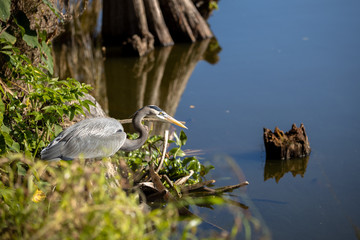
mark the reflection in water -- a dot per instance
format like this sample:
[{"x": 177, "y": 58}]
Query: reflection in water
[
  {"x": 158, "y": 78},
  {"x": 240, "y": 211},
  {"x": 77, "y": 51},
  {"x": 85, "y": 64},
  {"x": 277, "y": 169}
]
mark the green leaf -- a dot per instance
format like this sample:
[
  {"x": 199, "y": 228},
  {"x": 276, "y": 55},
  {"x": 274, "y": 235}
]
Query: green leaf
[
  {"x": 53, "y": 9},
  {"x": 31, "y": 39},
  {"x": 20, "y": 169},
  {"x": 87, "y": 104},
  {"x": 177, "y": 189},
  {"x": 72, "y": 113},
  {"x": 58, "y": 129},
  {"x": 178, "y": 142},
  {"x": 7, "y": 47},
  {"x": 6, "y": 192},
  {"x": 5, "y": 10},
  {"x": 28, "y": 35},
  {"x": 213, "y": 5},
  {"x": 183, "y": 138},
  {"x": 188, "y": 159},
  {"x": 194, "y": 165},
  {"x": 5, "y": 129},
  {"x": 2, "y": 110},
  {"x": 48, "y": 59},
  {"x": 12, "y": 145},
  {"x": 8, "y": 37},
  {"x": 176, "y": 152},
  {"x": 48, "y": 109},
  {"x": 39, "y": 117},
  {"x": 205, "y": 169}
]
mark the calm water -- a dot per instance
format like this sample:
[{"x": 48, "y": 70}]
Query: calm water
[{"x": 282, "y": 62}]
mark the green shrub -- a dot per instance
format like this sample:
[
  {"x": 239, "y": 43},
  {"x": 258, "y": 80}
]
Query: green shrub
[
  {"x": 32, "y": 103},
  {"x": 80, "y": 203},
  {"x": 176, "y": 164},
  {"x": 54, "y": 201}
]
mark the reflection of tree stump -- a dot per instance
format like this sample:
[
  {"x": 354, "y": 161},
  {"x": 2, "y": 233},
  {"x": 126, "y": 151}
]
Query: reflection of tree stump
[
  {"x": 277, "y": 169},
  {"x": 292, "y": 144}
]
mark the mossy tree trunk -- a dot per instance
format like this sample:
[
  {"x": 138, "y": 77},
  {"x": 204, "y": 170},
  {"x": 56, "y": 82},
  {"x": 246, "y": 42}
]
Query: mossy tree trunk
[{"x": 32, "y": 15}]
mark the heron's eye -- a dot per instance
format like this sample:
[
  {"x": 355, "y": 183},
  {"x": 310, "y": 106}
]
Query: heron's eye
[{"x": 161, "y": 115}]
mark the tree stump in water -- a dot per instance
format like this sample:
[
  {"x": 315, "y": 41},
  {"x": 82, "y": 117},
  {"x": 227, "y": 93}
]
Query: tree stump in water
[
  {"x": 134, "y": 26},
  {"x": 292, "y": 144},
  {"x": 125, "y": 24}
]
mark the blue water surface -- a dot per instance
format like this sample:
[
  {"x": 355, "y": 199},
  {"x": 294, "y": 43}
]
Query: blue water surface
[{"x": 284, "y": 62}]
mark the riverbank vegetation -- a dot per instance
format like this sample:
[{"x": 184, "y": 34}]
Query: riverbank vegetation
[
  {"x": 64, "y": 200},
  {"x": 138, "y": 195}
]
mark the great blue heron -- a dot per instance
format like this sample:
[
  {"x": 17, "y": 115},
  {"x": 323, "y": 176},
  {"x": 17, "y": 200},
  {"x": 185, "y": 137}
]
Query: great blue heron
[{"x": 101, "y": 137}]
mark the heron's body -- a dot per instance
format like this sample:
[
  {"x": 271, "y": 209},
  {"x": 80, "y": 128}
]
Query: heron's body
[
  {"x": 100, "y": 137},
  {"x": 91, "y": 138}
]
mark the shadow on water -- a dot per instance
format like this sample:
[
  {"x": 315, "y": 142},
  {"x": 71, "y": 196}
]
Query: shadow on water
[{"x": 278, "y": 168}]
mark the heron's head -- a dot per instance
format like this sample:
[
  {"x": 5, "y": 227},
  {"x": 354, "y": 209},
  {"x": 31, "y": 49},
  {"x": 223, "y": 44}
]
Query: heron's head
[{"x": 158, "y": 112}]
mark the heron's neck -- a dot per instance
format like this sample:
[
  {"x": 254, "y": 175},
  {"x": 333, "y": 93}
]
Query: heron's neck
[{"x": 130, "y": 145}]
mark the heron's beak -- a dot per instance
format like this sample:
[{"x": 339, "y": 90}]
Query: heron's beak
[{"x": 174, "y": 121}]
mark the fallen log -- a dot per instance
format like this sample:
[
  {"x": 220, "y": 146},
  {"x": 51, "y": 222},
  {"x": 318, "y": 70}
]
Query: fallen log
[{"x": 292, "y": 144}]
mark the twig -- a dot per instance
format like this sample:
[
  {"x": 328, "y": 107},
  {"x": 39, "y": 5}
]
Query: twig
[
  {"x": 166, "y": 139},
  {"x": 230, "y": 188},
  {"x": 4, "y": 29},
  {"x": 167, "y": 179},
  {"x": 139, "y": 174},
  {"x": 19, "y": 86},
  {"x": 5, "y": 87},
  {"x": 205, "y": 191},
  {"x": 155, "y": 178},
  {"x": 196, "y": 186},
  {"x": 183, "y": 180},
  {"x": 174, "y": 187}
]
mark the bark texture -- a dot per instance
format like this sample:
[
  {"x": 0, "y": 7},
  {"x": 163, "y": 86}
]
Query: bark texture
[
  {"x": 292, "y": 144},
  {"x": 33, "y": 15},
  {"x": 125, "y": 24},
  {"x": 157, "y": 24}
]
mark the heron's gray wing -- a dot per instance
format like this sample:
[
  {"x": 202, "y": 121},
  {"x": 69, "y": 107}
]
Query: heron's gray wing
[{"x": 91, "y": 138}]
